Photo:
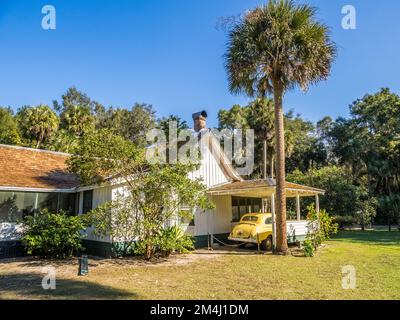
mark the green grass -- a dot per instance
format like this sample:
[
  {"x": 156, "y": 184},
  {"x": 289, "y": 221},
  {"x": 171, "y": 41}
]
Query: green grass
[{"x": 239, "y": 274}]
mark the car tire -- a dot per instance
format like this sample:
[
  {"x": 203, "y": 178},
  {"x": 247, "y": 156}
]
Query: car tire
[{"x": 266, "y": 245}]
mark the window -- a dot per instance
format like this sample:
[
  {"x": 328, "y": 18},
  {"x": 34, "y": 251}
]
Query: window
[
  {"x": 68, "y": 202},
  {"x": 250, "y": 219},
  {"x": 47, "y": 201},
  {"x": 241, "y": 206},
  {"x": 235, "y": 209},
  {"x": 87, "y": 201},
  {"x": 26, "y": 203},
  {"x": 16, "y": 205},
  {"x": 8, "y": 208}
]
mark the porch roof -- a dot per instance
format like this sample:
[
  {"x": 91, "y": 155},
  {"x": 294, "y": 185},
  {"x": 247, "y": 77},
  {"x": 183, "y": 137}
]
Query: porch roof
[{"x": 262, "y": 188}]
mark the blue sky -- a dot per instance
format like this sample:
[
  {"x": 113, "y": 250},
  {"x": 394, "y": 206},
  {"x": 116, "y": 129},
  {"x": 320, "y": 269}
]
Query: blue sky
[{"x": 169, "y": 53}]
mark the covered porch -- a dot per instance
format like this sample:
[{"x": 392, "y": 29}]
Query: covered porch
[{"x": 265, "y": 189}]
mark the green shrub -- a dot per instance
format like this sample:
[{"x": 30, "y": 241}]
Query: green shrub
[
  {"x": 174, "y": 239},
  {"x": 55, "y": 235},
  {"x": 167, "y": 241},
  {"x": 321, "y": 226},
  {"x": 308, "y": 248}
]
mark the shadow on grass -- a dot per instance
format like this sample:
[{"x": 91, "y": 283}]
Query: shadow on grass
[
  {"x": 369, "y": 237},
  {"x": 32, "y": 261},
  {"x": 29, "y": 286}
]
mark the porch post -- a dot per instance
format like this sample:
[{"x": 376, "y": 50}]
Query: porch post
[
  {"x": 298, "y": 207},
  {"x": 273, "y": 222},
  {"x": 317, "y": 203},
  {"x": 264, "y": 205},
  {"x": 210, "y": 228}
]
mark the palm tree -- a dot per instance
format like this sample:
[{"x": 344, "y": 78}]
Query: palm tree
[
  {"x": 38, "y": 122},
  {"x": 261, "y": 119},
  {"x": 77, "y": 119},
  {"x": 272, "y": 49}
]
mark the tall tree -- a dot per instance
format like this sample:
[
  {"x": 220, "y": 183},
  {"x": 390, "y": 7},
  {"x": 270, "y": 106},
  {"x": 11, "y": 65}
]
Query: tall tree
[
  {"x": 271, "y": 50},
  {"x": 259, "y": 116},
  {"x": 307, "y": 149},
  {"x": 261, "y": 120},
  {"x": 77, "y": 120},
  {"x": 131, "y": 124},
  {"x": 369, "y": 144},
  {"x": 8, "y": 127},
  {"x": 73, "y": 97},
  {"x": 37, "y": 124},
  {"x": 77, "y": 104},
  {"x": 164, "y": 123}
]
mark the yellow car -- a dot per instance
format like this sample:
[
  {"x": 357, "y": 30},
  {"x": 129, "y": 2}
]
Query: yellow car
[{"x": 254, "y": 228}]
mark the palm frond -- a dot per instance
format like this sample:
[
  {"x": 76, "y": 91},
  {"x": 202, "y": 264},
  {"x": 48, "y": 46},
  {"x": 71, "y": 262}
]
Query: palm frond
[{"x": 278, "y": 42}]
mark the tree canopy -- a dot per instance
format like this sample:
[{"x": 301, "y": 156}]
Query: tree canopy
[{"x": 352, "y": 158}]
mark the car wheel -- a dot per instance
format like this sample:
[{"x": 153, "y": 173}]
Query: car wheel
[{"x": 267, "y": 244}]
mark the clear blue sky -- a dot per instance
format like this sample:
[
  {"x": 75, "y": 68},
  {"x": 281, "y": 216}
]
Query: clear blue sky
[{"x": 169, "y": 53}]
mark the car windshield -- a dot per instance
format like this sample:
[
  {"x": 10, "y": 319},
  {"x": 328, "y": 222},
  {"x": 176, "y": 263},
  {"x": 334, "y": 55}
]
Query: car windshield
[
  {"x": 250, "y": 219},
  {"x": 268, "y": 220}
]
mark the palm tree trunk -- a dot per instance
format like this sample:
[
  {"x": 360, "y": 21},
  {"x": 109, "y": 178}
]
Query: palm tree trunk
[
  {"x": 265, "y": 159},
  {"x": 281, "y": 239}
]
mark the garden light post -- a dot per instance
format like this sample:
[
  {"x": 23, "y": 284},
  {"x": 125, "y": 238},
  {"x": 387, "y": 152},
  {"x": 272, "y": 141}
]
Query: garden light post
[{"x": 83, "y": 265}]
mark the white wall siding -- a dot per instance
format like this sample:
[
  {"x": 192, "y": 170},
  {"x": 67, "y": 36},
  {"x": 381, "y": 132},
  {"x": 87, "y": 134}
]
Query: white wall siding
[
  {"x": 210, "y": 170},
  {"x": 214, "y": 221},
  {"x": 219, "y": 219},
  {"x": 222, "y": 214},
  {"x": 100, "y": 196}
]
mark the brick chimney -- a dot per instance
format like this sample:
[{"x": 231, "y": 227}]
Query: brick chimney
[{"x": 199, "y": 119}]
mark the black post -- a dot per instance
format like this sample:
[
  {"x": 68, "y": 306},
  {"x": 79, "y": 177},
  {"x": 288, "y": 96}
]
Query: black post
[{"x": 83, "y": 265}]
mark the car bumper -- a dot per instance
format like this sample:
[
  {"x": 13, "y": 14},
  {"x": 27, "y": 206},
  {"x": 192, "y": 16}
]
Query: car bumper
[{"x": 248, "y": 240}]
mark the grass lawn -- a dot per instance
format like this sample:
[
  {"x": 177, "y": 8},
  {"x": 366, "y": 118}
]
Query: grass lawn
[{"x": 222, "y": 274}]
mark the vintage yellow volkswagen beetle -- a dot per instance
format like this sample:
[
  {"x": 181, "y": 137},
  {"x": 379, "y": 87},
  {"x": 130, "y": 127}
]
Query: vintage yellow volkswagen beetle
[{"x": 254, "y": 228}]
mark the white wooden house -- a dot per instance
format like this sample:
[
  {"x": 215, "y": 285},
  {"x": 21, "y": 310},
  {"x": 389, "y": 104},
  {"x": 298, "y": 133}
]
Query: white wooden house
[{"x": 31, "y": 180}]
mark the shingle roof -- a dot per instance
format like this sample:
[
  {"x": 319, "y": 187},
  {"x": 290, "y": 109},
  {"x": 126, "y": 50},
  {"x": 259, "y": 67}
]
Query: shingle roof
[
  {"x": 37, "y": 169},
  {"x": 259, "y": 184}
]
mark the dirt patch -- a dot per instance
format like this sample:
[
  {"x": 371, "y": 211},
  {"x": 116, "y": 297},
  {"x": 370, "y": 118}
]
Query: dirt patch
[
  {"x": 173, "y": 260},
  {"x": 69, "y": 267}
]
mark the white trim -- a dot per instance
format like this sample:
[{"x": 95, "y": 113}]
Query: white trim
[
  {"x": 87, "y": 188},
  {"x": 298, "y": 207},
  {"x": 308, "y": 193},
  {"x": 221, "y": 157},
  {"x": 8, "y": 188}
]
